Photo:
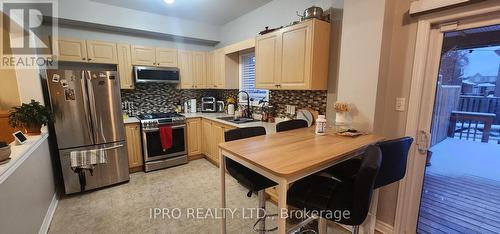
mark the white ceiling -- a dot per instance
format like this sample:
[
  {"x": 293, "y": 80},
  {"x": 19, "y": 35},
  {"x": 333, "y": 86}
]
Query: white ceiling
[{"x": 211, "y": 11}]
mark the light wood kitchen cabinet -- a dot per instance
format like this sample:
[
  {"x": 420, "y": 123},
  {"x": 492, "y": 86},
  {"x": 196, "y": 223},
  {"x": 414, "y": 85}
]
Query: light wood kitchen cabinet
[
  {"x": 133, "y": 138},
  {"x": 207, "y": 140},
  {"x": 199, "y": 69},
  {"x": 71, "y": 50},
  {"x": 222, "y": 70},
  {"x": 186, "y": 69},
  {"x": 157, "y": 57},
  {"x": 194, "y": 137},
  {"x": 266, "y": 61},
  {"x": 210, "y": 65},
  {"x": 75, "y": 50},
  {"x": 143, "y": 55},
  {"x": 166, "y": 57},
  {"x": 101, "y": 52},
  {"x": 294, "y": 58},
  {"x": 125, "y": 66},
  {"x": 212, "y": 135}
]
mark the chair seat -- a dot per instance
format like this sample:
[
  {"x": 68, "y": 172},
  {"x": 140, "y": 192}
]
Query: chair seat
[
  {"x": 318, "y": 193},
  {"x": 247, "y": 177}
]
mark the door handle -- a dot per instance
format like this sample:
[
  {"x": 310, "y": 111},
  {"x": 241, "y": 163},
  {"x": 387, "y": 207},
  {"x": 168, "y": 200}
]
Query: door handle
[{"x": 423, "y": 141}]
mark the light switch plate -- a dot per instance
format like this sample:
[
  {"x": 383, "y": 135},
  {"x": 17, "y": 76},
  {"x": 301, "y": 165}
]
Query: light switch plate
[{"x": 400, "y": 104}]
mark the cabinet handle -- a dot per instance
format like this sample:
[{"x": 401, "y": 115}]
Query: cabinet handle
[
  {"x": 89, "y": 59},
  {"x": 84, "y": 59}
]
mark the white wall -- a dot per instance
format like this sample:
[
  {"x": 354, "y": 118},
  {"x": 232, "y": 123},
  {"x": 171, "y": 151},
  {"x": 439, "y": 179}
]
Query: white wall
[
  {"x": 98, "y": 13},
  {"x": 25, "y": 196},
  {"x": 360, "y": 58},
  {"x": 273, "y": 14}
]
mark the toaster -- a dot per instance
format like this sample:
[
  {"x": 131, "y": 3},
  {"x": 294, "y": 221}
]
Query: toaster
[{"x": 208, "y": 105}]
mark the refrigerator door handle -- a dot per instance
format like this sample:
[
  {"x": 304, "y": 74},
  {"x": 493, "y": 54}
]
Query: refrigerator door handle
[
  {"x": 87, "y": 106},
  {"x": 93, "y": 112}
]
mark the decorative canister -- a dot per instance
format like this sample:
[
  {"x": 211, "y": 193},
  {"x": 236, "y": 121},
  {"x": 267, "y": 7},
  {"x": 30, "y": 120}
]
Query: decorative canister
[{"x": 321, "y": 125}]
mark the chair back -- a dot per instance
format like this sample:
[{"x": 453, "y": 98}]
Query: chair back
[
  {"x": 291, "y": 125},
  {"x": 394, "y": 158},
  {"x": 363, "y": 185},
  {"x": 241, "y": 133}
]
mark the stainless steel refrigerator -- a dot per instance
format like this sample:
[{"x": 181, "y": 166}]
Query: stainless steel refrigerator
[{"x": 87, "y": 114}]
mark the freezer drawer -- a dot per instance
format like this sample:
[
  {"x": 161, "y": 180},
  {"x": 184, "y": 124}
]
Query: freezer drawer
[{"x": 114, "y": 171}]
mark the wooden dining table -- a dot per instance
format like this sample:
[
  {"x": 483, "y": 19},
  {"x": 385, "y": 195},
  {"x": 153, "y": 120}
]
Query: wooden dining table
[{"x": 286, "y": 157}]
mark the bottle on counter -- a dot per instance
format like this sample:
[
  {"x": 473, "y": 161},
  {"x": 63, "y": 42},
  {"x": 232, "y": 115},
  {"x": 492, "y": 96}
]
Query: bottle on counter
[
  {"x": 321, "y": 125},
  {"x": 230, "y": 109}
]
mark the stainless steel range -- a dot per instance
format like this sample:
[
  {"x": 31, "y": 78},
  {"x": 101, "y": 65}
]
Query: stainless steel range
[{"x": 155, "y": 156}]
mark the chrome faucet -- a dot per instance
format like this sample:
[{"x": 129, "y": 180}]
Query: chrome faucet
[{"x": 248, "y": 113}]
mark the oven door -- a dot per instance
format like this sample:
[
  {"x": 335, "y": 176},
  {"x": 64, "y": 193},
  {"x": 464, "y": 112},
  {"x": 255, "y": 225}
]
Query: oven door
[{"x": 152, "y": 143}]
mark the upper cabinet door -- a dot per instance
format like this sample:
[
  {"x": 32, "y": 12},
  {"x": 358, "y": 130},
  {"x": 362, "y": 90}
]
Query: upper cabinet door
[
  {"x": 186, "y": 69},
  {"x": 71, "y": 50},
  {"x": 199, "y": 69},
  {"x": 166, "y": 57},
  {"x": 210, "y": 64},
  {"x": 220, "y": 69},
  {"x": 296, "y": 57},
  {"x": 143, "y": 55},
  {"x": 125, "y": 66},
  {"x": 267, "y": 61},
  {"x": 101, "y": 52}
]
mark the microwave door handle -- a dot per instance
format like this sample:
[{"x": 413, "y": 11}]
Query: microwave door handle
[{"x": 86, "y": 104}]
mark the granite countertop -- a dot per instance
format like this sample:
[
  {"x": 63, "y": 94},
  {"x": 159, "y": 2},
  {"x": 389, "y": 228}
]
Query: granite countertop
[{"x": 270, "y": 127}]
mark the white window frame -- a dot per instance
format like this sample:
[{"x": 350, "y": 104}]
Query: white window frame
[{"x": 240, "y": 80}]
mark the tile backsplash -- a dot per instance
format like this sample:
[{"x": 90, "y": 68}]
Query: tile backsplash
[
  {"x": 157, "y": 97},
  {"x": 315, "y": 100}
]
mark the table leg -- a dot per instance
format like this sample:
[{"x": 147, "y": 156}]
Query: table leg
[
  {"x": 282, "y": 207},
  {"x": 322, "y": 226},
  {"x": 222, "y": 170}
]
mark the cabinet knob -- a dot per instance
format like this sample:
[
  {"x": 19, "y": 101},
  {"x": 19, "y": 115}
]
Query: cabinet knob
[
  {"x": 158, "y": 64},
  {"x": 89, "y": 59},
  {"x": 84, "y": 58}
]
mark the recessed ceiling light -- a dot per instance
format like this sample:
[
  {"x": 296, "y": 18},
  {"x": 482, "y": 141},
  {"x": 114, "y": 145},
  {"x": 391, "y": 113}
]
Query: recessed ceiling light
[{"x": 169, "y": 1}]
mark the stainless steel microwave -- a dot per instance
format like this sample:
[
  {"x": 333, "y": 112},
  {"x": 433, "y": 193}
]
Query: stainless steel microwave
[{"x": 156, "y": 74}]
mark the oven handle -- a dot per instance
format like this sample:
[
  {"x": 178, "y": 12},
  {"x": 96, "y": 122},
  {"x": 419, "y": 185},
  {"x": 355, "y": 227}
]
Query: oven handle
[{"x": 158, "y": 129}]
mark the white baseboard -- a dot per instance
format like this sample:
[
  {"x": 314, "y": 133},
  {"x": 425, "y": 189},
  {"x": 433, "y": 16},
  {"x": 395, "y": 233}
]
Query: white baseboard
[
  {"x": 384, "y": 227},
  {"x": 48, "y": 216}
]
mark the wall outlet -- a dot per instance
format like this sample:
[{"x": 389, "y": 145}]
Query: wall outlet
[
  {"x": 400, "y": 104},
  {"x": 290, "y": 109}
]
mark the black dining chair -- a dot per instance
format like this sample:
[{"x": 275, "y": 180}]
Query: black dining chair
[
  {"x": 326, "y": 196},
  {"x": 393, "y": 167},
  {"x": 291, "y": 125},
  {"x": 250, "y": 179}
]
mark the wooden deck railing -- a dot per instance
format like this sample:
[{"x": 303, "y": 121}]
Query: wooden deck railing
[
  {"x": 469, "y": 124},
  {"x": 469, "y": 103}
]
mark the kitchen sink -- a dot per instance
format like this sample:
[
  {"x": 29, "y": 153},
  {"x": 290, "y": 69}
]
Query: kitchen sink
[{"x": 237, "y": 120}]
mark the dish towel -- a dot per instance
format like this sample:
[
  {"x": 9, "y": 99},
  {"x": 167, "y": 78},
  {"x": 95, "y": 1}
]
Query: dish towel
[
  {"x": 166, "y": 137},
  {"x": 86, "y": 160}
]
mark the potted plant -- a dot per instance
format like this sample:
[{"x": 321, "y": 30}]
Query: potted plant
[
  {"x": 4, "y": 152},
  {"x": 342, "y": 116},
  {"x": 30, "y": 116}
]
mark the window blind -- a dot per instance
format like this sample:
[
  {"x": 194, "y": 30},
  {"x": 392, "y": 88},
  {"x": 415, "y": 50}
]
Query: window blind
[{"x": 248, "y": 78}]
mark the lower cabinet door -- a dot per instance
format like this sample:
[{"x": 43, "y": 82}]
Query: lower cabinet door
[
  {"x": 206, "y": 132},
  {"x": 133, "y": 137},
  {"x": 194, "y": 136}
]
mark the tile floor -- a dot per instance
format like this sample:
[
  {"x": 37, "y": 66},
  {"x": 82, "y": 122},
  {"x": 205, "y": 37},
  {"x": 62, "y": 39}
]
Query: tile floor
[{"x": 126, "y": 208}]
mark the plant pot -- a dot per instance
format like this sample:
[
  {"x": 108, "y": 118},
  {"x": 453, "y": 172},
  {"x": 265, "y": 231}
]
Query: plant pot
[
  {"x": 4, "y": 153},
  {"x": 33, "y": 130}
]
